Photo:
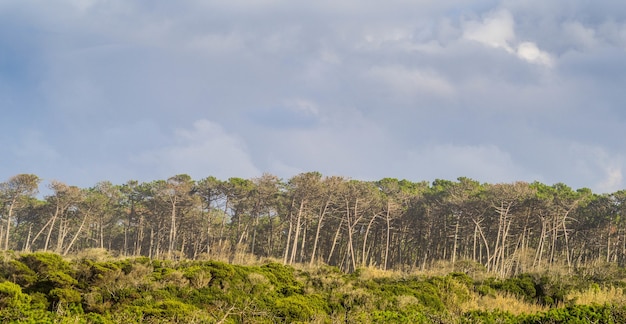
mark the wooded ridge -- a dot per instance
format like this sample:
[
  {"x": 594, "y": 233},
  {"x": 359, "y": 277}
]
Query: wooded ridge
[{"x": 507, "y": 228}]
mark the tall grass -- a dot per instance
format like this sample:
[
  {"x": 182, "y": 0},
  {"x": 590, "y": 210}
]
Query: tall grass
[
  {"x": 503, "y": 302},
  {"x": 596, "y": 295}
]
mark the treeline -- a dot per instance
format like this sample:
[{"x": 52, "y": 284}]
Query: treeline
[{"x": 509, "y": 228}]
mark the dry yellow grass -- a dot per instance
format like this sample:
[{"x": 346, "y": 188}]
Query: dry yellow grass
[
  {"x": 596, "y": 295},
  {"x": 370, "y": 273},
  {"x": 503, "y": 302}
]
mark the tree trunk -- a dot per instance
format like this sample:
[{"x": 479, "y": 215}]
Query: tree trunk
[
  {"x": 80, "y": 228},
  {"x": 172, "y": 236},
  {"x": 367, "y": 231},
  {"x": 8, "y": 230},
  {"x": 53, "y": 220},
  {"x": 332, "y": 248},
  {"x": 317, "y": 231},
  {"x": 388, "y": 236},
  {"x": 294, "y": 246}
]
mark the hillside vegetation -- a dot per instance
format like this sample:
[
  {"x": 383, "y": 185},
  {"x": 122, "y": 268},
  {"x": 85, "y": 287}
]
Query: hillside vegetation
[{"x": 96, "y": 288}]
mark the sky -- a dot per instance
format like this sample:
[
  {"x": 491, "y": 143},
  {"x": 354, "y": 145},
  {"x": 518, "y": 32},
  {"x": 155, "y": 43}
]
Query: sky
[{"x": 497, "y": 91}]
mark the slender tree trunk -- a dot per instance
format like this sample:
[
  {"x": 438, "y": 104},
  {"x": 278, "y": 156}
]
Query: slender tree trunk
[
  {"x": 542, "y": 242},
  {"x": 294, "y": 246},
  {"x": 336, "y": 237},
  {"x": 303, "y": 245},
  {"x": 64, "y": 229},
  {"x": 8, "y": 230},
  {"x": 80, "y": 228},
  {"x": 172, "y": 236},
  {"x": 208, "y": 230},
  {"x": 54, "y": 217},
  {"x": 482, "y": 235},
  {"x": 317, "y": 231},
  {"x": 151, "y": 242},
  {"x": 139, "y": 238},
  {"x": 367, "y": 231},
  {"x": 288, "y": 243},
  {"x": 351, "y": 231},
  {"x": 27, "y": 244},
  {"x": 388, "y": 236},
  {"x": 456, "y": 237}
]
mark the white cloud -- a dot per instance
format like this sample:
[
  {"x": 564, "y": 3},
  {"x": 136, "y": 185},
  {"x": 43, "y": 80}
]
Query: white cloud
[
  {"x": 497, "y": 29},
  {"x": 531, "y": 53},
  {"x": 597, "y": 166},
  {"x": 613, "y": 181},
  {"x": 204, "y": 149},
  {"x": 580, "y": 35}
]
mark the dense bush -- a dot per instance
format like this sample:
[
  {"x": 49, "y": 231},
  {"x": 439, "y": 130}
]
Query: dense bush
[{"x": 44, "y": 287}]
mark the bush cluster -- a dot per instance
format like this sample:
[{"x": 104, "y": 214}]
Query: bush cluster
[{"x": 45, "y": 288}]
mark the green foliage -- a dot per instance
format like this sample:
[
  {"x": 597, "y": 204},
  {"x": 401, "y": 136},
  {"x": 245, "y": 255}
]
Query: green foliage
[
  {"x": 16, "y": 306},
  {"x": 198, "y": 276},
  {"x": 295, "y": 308},
  {"x": 19, "y": 273},
  {"x": 51, "y": 272},
  {"x": 66, "y": 300},
  {"x": 170, "y": 310},
  {"x": 580, "y": 314},
  {"x": 12, "y": 299},
  {"x": 523, "y": 286},
  {"x": 47, "y": 288}
]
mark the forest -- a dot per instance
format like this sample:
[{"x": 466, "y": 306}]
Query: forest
[
  {"x": 311, "y": 249},
  {"x": 508, "y": 228}
]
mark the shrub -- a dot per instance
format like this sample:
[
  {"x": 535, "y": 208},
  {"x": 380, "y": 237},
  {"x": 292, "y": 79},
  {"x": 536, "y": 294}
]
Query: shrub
[
  {"x": 198, "y": 276},
  {"x": 294, "y": 308},
  {"x": 13, "y": 302}
]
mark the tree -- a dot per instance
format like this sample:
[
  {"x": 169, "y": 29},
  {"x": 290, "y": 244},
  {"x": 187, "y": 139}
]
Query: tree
[
  {"x": 210, "y": 192},
  {"x": 327, "y": 197},
  {"x": 177, "y": 193},
  {"x": 63, "y": 202},
  {"x": 13, "y": 192},
  {"x": 506, "y": 199},
  {"x": 301, "y": 189},
  {"x": 265, "y": 200}
]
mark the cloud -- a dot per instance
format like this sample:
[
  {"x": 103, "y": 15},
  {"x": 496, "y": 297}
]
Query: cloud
[
  {"x": 579, "y": 35},
  {"x": 496, "y": 91},
  {"x": 411, "y": 82},
  {"x": 598, "y": 166},
  {"x": 531, "y": 53},
  {"x": 614, "y": 180},
  {"x": 484, "y": 162},
  {"x": 202, "y": 150},
  {"x": 497, "y": 29}
]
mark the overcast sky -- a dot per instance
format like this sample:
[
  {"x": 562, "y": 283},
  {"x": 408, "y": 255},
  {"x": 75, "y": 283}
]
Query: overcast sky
[{"x": 497, "y": 91}]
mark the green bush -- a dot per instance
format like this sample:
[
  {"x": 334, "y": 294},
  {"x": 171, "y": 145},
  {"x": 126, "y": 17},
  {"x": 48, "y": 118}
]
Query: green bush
[
  {"x": 19, "y": 273},
  {"x": 294, "y": 308}
]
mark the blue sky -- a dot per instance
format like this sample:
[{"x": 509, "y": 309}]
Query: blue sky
[{"x": 497, "y": 91}]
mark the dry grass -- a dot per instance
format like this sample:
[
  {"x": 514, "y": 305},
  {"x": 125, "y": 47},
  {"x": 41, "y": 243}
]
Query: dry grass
[
  {"x": 596, "y": 295},
  {"x": 370, "y": 273},
  {"x": 503, "y": 302}
]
